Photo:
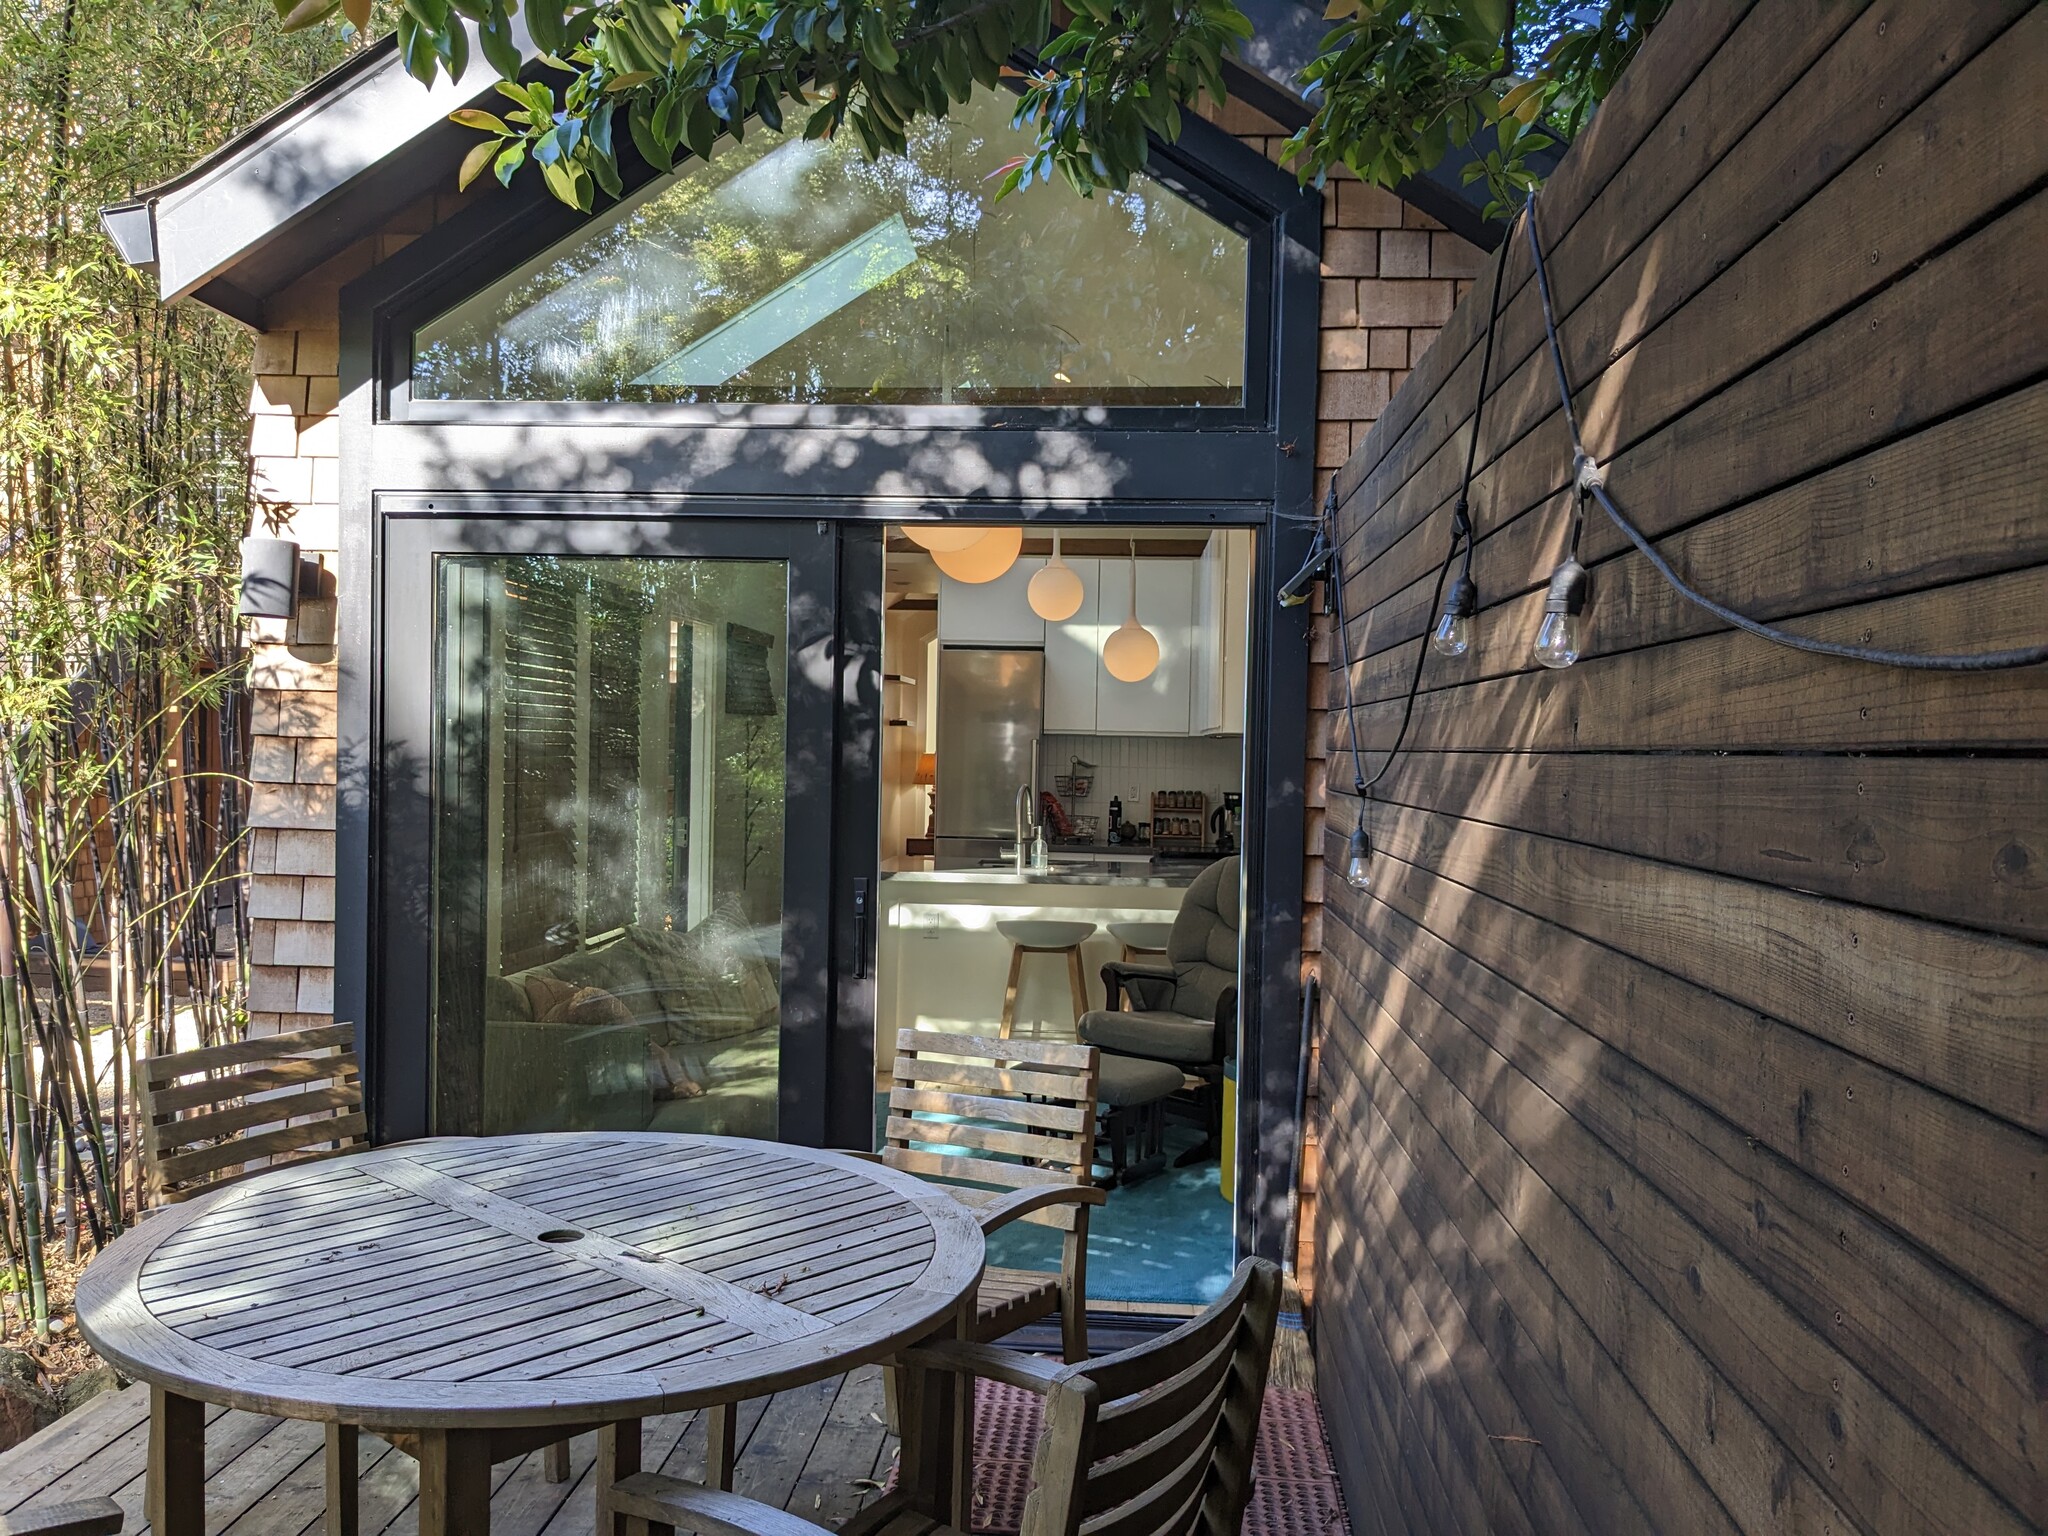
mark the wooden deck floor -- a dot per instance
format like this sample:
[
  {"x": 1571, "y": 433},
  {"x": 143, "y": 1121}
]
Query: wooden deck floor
[{"x": 818, "y": 1451}]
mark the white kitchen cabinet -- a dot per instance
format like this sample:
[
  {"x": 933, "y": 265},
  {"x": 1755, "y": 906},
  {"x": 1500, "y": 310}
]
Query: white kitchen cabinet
[
  {"x": 1222, "y": 613},
  {"x": 1158, "y": 706},
  {"x": 990, "y": 612},
  {"x": 1073, "y": 660}
]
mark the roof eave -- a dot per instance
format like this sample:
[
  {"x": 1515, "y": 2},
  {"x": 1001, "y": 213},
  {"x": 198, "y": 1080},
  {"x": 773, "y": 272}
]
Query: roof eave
[{"x": 284, "y": 169}]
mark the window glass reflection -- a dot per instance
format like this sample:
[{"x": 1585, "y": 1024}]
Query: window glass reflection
[{"x": 786, "y": 270}]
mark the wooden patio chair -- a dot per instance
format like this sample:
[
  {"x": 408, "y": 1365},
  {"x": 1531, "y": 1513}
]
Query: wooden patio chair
[
  {"x": 207, "y": 1114},
  {"x": 201, "y": 1114},
  {"x": 1153, "y": 1441},
  {"x": 1008, "y": 1126},
  {"x": 86, "y": 1517}
]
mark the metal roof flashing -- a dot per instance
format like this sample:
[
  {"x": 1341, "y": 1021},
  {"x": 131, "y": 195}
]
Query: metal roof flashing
[{"x": 265, "y": 185}]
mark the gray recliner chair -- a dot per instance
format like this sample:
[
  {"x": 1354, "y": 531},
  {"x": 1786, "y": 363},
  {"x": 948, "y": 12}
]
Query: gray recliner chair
[{"x": 1183, "y": 1012}]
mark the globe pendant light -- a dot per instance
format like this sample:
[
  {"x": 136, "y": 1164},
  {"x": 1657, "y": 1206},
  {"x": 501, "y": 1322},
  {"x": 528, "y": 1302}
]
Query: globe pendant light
[
  {"x": 1055, "y": 591},
  {"x": 985, "y": 559},
  {"x": 947, "y": 537},
  {"x": 1132, "y": 652}
]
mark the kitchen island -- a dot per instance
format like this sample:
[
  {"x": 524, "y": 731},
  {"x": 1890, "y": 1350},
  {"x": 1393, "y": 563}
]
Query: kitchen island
[{"x": 943, "y": 964}]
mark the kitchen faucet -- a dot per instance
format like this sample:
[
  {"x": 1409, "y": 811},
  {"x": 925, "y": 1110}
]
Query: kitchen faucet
[{"x": 1024, "y": 806}]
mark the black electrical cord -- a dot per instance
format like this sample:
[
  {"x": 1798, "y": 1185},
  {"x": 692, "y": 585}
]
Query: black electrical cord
[
  {"x": 1461, "y": 532},
  {"x": 1591, "y": 485}
]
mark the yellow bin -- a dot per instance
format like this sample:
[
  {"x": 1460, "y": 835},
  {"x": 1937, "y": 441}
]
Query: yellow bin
[{"x": 1228, "y": 1183}]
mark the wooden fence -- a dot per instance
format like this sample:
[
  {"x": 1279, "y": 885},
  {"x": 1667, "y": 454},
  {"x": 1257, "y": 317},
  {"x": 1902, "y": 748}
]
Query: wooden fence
[{"x": 1686, "y": 1064}]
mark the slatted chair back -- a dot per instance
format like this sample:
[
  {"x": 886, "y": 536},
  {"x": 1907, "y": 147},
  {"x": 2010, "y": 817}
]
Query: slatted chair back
[
  {"x": 1157, "y": 1440},
  {"x": 988, "y": 1117},
  {"x": 207, "y": 1114}
]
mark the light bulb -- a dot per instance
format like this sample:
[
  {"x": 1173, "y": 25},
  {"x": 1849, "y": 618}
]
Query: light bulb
[
  {"x": 1358, "y": 860},
  {"x": 947, "y": 537},
  {"x": 1557, "y": 640},
  {"x": 1055, "y": 591},
  {"x": 1131, "y": 653},
  {"x": 985, "y": 559},
  {"x": 1453, "y": 633}
]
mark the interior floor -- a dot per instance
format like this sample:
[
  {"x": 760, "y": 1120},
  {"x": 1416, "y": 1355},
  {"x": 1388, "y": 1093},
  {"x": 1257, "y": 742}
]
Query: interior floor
[{"x": 1162, "y": 1239}]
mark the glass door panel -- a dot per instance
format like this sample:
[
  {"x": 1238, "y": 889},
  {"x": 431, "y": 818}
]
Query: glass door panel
[{"x": 606, "y": 905}]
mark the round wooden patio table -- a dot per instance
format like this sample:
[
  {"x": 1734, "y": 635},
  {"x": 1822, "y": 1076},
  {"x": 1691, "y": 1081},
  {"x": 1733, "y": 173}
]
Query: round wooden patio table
[{"x": 470, "y": 1299}]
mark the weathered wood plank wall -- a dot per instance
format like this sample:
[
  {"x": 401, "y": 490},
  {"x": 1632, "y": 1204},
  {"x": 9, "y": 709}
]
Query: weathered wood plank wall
[{"x": 1686, "y": 1065}]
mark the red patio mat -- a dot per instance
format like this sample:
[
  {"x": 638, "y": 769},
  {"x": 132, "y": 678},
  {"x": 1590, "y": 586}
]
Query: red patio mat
[{"x": 1294, "y": 1494}]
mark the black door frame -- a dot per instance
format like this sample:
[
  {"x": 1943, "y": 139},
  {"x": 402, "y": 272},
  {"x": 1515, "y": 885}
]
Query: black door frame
[
  {"x": 821, "y": 714},
  {"x": 863, "y": 469}
]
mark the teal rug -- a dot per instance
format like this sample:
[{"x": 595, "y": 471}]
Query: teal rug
[{"x": 1165, "y": 1239}]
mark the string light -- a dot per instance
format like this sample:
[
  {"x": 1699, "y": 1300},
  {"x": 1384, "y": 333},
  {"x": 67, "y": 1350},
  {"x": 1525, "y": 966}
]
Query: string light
[
  {"x": 1567, "y": 589},
  {"x": 1358, "y": 858},
  {"x": 1557, "y": 638},
  {"x": 1453, "y": 633}
]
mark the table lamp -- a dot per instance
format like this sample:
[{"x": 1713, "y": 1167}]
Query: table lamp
[{"x": 927, "y": 778}]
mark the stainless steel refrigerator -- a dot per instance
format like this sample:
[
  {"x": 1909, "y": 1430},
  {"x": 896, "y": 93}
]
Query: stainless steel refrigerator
[{"x": 991, "y": 715}]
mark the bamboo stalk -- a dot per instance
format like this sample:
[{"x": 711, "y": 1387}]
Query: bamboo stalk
[{"x": 11, "y": 1046}]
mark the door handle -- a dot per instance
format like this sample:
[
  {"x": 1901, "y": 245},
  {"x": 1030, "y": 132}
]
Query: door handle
[{"x": 860, "y": 930}]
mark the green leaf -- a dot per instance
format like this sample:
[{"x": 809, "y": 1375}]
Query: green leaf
[
  {"x": 544, "y": 25},
  {"x": 640, "y": 125},
  {"x": 605, "y": 170},
  {"x": 307, "y": 13},
  {"x": 560, "y": 182},
  {"x": 509, "y": 160},
  {"x": 481, "y": 154},
  {"x": 476, "y": 117},
  {"x": 874, "y": 36},
  {"x": 700, "y": 129}
]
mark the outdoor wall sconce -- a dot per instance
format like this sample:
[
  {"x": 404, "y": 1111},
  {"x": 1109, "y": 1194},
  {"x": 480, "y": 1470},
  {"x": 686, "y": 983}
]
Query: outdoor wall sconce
[{"x": 270, "y": 579}]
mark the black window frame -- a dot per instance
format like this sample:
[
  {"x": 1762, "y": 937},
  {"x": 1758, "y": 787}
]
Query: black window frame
[
  {"x": 900, "y": 464},
  {"x": 498, "y": 238}
]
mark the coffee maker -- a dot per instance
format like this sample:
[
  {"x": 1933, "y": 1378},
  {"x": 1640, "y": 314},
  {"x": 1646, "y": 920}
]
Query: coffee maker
[{"x": 1223, "y": 822}]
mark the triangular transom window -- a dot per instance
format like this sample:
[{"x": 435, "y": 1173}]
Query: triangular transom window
[{"x": 786, "y": 270}]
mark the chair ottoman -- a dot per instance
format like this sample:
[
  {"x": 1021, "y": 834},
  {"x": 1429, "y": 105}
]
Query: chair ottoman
[{"x": 1131, "y": 1095}]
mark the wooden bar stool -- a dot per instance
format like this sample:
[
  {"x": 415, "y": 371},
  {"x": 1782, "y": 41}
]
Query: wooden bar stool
[
  {"x": 1045, "y": 937},
  {"x": 1141, "y": 938}
]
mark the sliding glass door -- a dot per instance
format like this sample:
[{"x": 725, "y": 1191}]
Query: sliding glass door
[{"x": 614, "y": 907}]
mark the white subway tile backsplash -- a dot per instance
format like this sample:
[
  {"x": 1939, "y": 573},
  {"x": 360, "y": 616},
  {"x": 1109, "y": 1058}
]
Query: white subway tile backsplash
[{"x": 1133, "y": 767}]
